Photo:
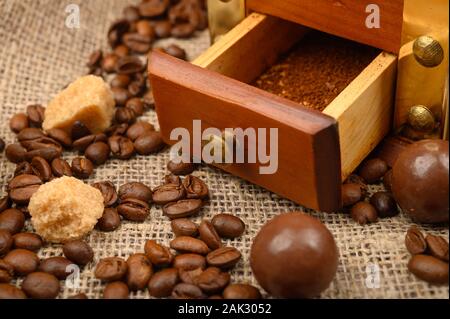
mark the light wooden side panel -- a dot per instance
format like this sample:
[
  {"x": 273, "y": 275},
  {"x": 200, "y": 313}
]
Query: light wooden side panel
[
  {"x": 364, "y": 111},
  {"x": 251, "y": 47},
  {"x": 344, "y": 18}
]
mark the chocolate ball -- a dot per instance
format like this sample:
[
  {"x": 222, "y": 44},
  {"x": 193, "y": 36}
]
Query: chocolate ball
[
  {"x": 420, "y": 181},
  {"x": 294, "y": 256}
]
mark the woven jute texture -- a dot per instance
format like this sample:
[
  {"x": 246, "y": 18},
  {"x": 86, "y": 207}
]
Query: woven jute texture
[{"x": 39, "y": 55}]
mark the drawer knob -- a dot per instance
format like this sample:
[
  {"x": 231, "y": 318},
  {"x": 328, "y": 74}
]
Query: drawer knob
[
  {"x": 421, "y": 118},
  {"x": 428, "y": 51},
  {"x": 226, "y": 142}
]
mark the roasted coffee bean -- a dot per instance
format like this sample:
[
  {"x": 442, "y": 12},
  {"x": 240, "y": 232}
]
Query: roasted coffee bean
[
  {"x": 180, "y": 168},
  {"x": 168, "y": 193},
  {"x": 215, "y": 297},
  {"x": 79, "y": 130},
  {"x": 137, "y": 42},
  {"x": 189, "y": 276},
  {"x": 385, "y": 204},
  {"x": 213, "y": 280},
  {"x": 356, "y": 179},
  {"x": 109, "y": 221},
  {"x": 5, "y": 203},
  {"x": 111, "y": 269},
  {"x": 59, "y": 267},
  {"x": 42, "y": 143},
  {"x": 82, "y": 144},
  {"x": 186, "y": 244},
  {"x": 241, "y": 291},
  {"x": 79, "y": 296},
  {"x": 48, "y": 153},
  {"x": 224, "y": 257},
  {"x": 189, "y": 261},
  {"x": 78, "y": 251},
  {"x": 131, "y": 14},
  {"x": 97, "y": 71},
  {"x": 60, "y": 136},
  {"x": 18, "y": 122},
  {"x": 2, "y": 145},
  {"x": 373, "y": 170},
  {"x": 144, "y": 28},
  {"x": 184, "y": 30},
  {"x": 135, "y": 89},
  {"x": 437, "y": 247},
  {"x": 60, "y": 167},
  {"x": 184, "y": 227},
  {"x": 95, "y": 58},
  {"x": 149, "y": 143},
  {"x": 121, "y": 96},
  {"x": 41, "y": 168},
  {"x": 148, "y": 99},
  {"x": 120, "y": 80},
  {"x": 23, "y": 261},
  {"x": 15, "y": 153},
  {"x": 40, "y": 285},
  {"x": 121, "y": 147},
  {"x": 109, "y": 62},
  {"x": 172, "y": 179},
  {"x": 158, "y": 254},
  {"x": 162, "y": 282},
  {"x": 182, "y": 208},
  {"x": 116, "y": 290},
  {"x": 139, "y": 128},
  {"x": 387, "y": 180},
  {"x": 228, "y": 226},
  {"x": 108, "y": 191},
  {"x": 30, "y": 134},
  {"x": 12, "y": 220},
  {"x": 429, "y": 268},
  {"x": 116, "y": 31},
  {"x": 8, "y": 291},
  {"x": 97, "y": 153},
  {"x": 82, "y": 167},
  {"x": 162, "y": 29},
  {"x": 118, "y": 129},
  {"x": 125, "y": 115},
  {"x": 134, "y": 209},
  {"x": 209, "y": 235},
  {"x": 6, "y": 272},
  {"x": 195, "y": 187},
  {"x": 23, "y": 168},
  {"x": 6, "y": 241},
  {"x": 364, "y": 213},
  {"x": 140, "y": 271},
  {"x": 24, "y": 210},
  {"x": 137, "y": 105},
  {"x": 175, "y": 51},
  {"x": 35, "y": 114},
  {"x": 135, "y": 190},
  {"x": 414, "y": 241},
  {"x": 22, "y": 187},
  {"x": 129, "y": 65},
  {"x": 351, "y": 194},
  {"x": 153, "y": 8},
  {"x": 187, "y": 291},
  {"x": 28, "y": 241}
]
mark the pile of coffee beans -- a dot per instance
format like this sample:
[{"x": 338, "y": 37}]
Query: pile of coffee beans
[
  {"x": 18, "y": 258},
  {"x": 199, "y": 268},
  {"x": 429, "y": 260},
  {"x": 355, "y": 190}
]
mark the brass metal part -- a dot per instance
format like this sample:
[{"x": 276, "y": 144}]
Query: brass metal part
[
  {"x": 222, "y": 142},
  {"x": 223, "y": 15},
  {"x": 420, "y": 118},
  {"x": 428, "y": 51}
]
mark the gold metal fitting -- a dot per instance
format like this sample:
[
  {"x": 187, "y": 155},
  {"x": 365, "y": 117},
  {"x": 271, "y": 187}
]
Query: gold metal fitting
[
  {"x": 421, "y": 118},
  {"x": 221, "y": 142},
  {"x": 428, "y": 51}
]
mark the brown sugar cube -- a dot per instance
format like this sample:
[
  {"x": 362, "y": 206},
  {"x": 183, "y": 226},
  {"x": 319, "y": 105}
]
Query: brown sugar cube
[
  {"x": 89, "y": 100},
  {"x": 65, "y": 209}
]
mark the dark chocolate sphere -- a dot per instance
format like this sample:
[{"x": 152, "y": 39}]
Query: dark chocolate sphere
[
  {"x": 294, "y": 256},
  {"x": 420, "y": 181}
]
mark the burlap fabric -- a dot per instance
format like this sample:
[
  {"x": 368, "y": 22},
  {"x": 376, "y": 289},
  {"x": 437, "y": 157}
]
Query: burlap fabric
[{"x": 39, "y": 55}]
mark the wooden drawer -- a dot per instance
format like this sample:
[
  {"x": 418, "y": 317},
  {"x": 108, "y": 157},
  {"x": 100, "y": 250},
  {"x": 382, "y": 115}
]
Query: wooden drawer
[{"x": 316, "y": 150}]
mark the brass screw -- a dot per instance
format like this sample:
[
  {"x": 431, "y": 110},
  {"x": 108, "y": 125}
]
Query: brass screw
[
  {"x": 421, "y": 118},
  {"x": 427, "y": 51}
]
